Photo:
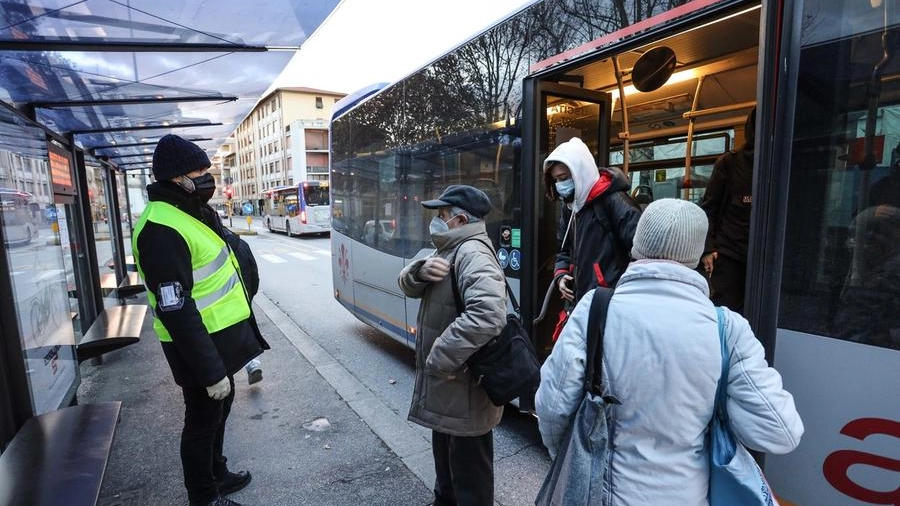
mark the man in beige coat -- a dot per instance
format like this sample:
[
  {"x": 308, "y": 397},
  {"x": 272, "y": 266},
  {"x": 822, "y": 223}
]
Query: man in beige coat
[{"x": 446, "y": 398}]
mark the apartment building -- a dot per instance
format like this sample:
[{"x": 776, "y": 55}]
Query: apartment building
[
  {"x": 223, "y": 162},
  {"x": 284, "y": 140}
]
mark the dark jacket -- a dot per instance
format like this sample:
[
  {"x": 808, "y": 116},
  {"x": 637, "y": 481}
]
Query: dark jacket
[
  {"x": 727, "y": 203},
  {"x": 598, "y": 248},
  {"x": 196, "y": 358},
  {"x": 729, "y": 197}
]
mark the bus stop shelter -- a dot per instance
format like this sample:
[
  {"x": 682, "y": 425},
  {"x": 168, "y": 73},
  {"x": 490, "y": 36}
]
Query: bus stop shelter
[{"x": 87, "y": 88}]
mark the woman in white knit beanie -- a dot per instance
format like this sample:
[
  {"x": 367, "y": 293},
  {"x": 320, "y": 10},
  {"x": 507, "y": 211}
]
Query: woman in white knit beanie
[{"x": 662, "y": 361}]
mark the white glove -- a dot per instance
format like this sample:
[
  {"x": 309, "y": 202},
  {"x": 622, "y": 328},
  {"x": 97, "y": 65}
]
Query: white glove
[{"x": 220, "y": 390}]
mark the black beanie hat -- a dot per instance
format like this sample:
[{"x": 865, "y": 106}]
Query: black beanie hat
[{"x": 175, "y": 156}]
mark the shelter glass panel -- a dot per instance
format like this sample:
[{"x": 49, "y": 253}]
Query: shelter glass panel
[{"x": 35, "y": 260}]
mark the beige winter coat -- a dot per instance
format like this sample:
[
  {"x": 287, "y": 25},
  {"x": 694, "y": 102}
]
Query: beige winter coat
[{"x": 446, "y": 397}]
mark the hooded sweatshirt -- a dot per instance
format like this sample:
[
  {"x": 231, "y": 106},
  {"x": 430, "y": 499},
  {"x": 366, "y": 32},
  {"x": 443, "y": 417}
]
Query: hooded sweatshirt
[{"x": 597, "y": 248}]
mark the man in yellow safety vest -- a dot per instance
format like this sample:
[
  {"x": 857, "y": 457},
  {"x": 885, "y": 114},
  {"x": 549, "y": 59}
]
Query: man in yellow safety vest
[{"x": 201, "y": 310}]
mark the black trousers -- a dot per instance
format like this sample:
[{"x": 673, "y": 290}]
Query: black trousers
[
  {"x": 201, "y": 442},
  {"x": 464, "y": 468},
  {"x": 728, "y": 283}
]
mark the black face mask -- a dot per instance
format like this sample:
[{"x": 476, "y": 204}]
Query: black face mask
[{"x": 204, "y": 187}]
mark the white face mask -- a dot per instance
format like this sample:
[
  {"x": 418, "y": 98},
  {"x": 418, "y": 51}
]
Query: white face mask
[
  {"x": 565, "y": 188},
  {"x": 438, "y": 225}
]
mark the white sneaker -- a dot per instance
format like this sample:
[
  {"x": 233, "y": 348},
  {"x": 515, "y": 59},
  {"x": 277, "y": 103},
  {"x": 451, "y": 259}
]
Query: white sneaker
[{"x": 254, "y": 372}]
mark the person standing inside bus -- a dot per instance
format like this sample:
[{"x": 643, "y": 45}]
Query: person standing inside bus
[
  {"x": 662, "y": 360},
  {"x": 727, "y": 203},
  {"x": 201, "y": 311},
  {"x": 597, "y": 221},
  {"x": 446, "y": 398}
]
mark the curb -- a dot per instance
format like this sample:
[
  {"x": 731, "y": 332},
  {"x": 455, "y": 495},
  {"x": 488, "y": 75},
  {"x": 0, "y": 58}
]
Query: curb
[{"x": 241, "y": 231}]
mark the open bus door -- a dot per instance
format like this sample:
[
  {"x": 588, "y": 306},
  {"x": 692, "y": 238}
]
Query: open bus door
[{"x": 553, "y": 114}]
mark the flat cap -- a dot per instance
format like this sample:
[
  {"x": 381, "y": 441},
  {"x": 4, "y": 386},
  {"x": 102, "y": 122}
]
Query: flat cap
[{"x": 465, "y": 197}]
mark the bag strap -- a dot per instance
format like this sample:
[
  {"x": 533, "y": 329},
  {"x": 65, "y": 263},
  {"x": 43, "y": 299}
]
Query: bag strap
[
  {"x": 722, "y": 388},
  {"x": 607, "y": 224},
  {"x": 455, "y": 284},
  {"x": 593, "y": 374}
]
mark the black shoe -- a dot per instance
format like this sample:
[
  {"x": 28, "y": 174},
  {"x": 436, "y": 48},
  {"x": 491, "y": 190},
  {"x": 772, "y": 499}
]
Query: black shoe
[
  {"x": 232, "y": 482},
  {"x": 219, "y": 501}
]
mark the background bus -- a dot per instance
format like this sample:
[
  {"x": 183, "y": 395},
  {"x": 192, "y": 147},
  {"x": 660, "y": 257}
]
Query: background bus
[
  {"x": 825, "y": 234},
  {"x": 299, "y": 210}
]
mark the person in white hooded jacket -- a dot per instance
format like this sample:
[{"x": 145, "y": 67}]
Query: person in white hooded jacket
[
  {"x": 662, "y": 361},
  {"x": 596, "y": 224},
  {"x": 597, "y": 221}
]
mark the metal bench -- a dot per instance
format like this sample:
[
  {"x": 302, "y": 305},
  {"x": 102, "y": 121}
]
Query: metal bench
[
  {"x": 130, "y": 285},
  {"x": 114, "y": 328},
  {"x": 59, "y": 458},
  {"x": 129, "y": 263}
]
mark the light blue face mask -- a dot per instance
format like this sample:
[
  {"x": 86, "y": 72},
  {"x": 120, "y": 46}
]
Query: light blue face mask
[
  {"x": 565, "y": 189},
  {"x": 438, "y": 225}
]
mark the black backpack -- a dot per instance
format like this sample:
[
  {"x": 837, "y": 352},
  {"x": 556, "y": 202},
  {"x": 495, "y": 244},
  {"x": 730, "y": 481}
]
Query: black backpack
[{"x": 246, "y": 262}]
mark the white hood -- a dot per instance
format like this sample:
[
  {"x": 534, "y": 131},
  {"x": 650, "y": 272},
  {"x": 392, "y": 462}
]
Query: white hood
[{"x": 578, "y": 158}]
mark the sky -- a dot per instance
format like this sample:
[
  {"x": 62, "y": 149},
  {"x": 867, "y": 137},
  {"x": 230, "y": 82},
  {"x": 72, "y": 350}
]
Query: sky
[{"x": 368, "y": 41}]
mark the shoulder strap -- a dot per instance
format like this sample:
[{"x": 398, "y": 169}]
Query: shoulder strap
[
  {"x": 607, "y": 224},
  {"x": 454, "y": 284},
  {"x": 722, "y": 387},
  {"x": 593, "y": 374}
]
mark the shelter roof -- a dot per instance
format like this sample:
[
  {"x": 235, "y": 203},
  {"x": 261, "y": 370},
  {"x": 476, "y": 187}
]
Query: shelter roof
[{"x": 117, "y": 75}]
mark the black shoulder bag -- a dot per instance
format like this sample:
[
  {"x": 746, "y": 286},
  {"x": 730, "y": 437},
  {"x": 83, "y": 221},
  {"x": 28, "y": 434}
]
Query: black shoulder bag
[{"x": 506, "y": 366}]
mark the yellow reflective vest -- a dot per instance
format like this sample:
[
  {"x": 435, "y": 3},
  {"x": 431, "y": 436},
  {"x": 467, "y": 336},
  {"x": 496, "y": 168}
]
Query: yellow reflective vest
[{"x": 217, "y": 291}]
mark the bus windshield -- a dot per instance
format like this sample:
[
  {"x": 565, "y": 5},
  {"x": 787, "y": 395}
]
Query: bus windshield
[{"x": 316, "y": 195}]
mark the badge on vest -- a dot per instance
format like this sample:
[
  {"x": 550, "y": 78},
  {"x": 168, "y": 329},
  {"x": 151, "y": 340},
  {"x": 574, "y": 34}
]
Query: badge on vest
[{"x": 171, "y": 296}]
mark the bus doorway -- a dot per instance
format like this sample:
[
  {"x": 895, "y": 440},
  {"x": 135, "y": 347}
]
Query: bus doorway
[
  {"x": 562, "y": 112},
  {"x": 667, "y": 108}
]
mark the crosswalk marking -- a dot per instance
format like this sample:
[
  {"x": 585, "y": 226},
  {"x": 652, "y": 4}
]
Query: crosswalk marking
[
  {"x": 301, "y": 256},
  {"x": 307, "y": 249},
  {"x": 275, "y": 259}
]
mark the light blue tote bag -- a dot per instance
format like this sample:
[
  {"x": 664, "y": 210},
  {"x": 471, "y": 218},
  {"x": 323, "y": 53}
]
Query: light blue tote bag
[
  {"x": 735, "y": 478},
  {"x": 576, "y": 475}
]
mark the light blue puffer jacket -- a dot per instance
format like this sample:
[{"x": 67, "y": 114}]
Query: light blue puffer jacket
[{"x": 662, "y": 361}]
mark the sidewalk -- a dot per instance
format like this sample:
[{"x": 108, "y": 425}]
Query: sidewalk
[{"x": 274, "y": 431}]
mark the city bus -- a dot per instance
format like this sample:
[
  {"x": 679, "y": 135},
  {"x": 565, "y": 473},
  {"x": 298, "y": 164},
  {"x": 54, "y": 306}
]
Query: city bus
[
  {"x": 303, "y": 209},
  {"x": 662, "y": 89}
]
